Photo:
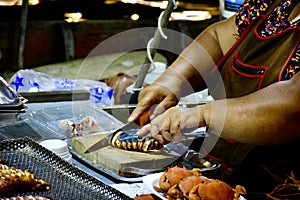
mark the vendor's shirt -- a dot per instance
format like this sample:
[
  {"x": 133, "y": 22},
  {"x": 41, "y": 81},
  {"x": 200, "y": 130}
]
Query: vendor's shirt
[{"x": 275, "y": 23}]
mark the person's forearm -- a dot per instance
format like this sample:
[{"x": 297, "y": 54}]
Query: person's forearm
[
  {"x": 190, "y": 68},
  {"x": 193, "y": 65},
  {"x": 266, "y": 117}
]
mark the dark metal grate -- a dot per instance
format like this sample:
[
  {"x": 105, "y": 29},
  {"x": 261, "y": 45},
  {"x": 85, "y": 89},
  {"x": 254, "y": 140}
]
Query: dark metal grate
[{"x": 66, "y": 180}]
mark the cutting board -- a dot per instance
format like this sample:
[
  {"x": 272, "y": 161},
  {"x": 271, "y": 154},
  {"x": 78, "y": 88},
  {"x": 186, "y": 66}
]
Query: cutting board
[{"x": 122, "y": 162}]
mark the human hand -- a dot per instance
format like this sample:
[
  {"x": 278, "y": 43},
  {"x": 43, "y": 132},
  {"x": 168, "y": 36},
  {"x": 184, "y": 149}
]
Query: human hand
[
  {"x": 154, "y": 100},
  {"x": 167, "y": 126}
]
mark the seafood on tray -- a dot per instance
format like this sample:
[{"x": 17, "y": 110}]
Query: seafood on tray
[
  {"x": 86, "y": 125},
  {"x": 2, "y": 161},
  {"x": 29, "y": 197},
  {"x": 18, "y": 180},
  {"x": 180, "y": 183},
  {"x": 128, "y": 140}
]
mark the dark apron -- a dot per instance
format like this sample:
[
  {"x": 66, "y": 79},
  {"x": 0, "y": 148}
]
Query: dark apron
[{"x": 253, "y": 63}]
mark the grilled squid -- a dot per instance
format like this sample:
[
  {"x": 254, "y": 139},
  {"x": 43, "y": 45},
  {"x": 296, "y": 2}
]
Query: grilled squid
[
  {"x": 13, "y": 179},
  {"x": 29, "y": 197},
  {"x": 128, "y": 140},
  {"x": 2, "y": 161}
]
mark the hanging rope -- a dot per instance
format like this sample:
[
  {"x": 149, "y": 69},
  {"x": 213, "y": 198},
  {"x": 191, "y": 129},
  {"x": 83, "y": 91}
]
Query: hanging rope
[{"x": 154, "y": 43}]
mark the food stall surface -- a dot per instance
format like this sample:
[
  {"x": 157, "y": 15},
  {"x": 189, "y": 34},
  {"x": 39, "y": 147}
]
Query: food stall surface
[
  {"x": 41, "y": 122},
  {"x": 65, "y": 181},
  {"x": 125, "y": 171},
  {"x": 17, "y": 132},
  {"x": 27, "y": 125}
]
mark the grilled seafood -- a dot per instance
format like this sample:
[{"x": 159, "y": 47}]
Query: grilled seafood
[
  {"x": 2, "y": 161},
  {"x": 179, "y": 183},
  {"x": 13, "y": 179},
  {"x": 187, "y": 184},
  {"x": 146, "y": 197},
  {"x": 211, "y": 189},
  {"x": 128, "y": 140},
  {"x": 30, "y": 197},
  {"x": 87, "y": 125},
  {"x": 174, "y": 175},
  {"x": 215, "y": 189},
  {"x": 183, "y": 188}
]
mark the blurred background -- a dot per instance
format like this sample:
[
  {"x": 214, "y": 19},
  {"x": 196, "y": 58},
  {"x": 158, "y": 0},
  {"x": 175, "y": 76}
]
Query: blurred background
[{"x": 34, "y": 33}]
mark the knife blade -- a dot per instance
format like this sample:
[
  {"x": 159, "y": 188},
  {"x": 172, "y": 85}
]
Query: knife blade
[{"x": 104, "y": 142}]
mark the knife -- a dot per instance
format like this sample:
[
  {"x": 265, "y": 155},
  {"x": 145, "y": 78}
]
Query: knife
[
  {"x": 107, "y": 140},
  {"x": 199, "y": 132}
]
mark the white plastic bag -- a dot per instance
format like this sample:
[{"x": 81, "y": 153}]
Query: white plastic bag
[
  {"x": 29, "y": 80},
  {"x": 32, "y": 81}
]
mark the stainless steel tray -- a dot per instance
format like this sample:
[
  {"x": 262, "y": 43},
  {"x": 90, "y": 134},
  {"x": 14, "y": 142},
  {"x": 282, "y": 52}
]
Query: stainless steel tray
[
  {"x": 104, "y": 170},
  {"x": 181, "y": 157},
  {"x": 130, "y": 174},
  {"x": 66, "y": 180}
]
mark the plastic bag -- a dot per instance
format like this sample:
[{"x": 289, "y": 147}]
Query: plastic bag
[
  {"x": 10, "y": 100},
  {"x": 29, "y": 80},
  {"x": 32, "y": 81}
]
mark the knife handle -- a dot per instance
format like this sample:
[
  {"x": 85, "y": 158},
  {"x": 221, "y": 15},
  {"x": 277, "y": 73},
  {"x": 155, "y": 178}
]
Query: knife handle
[{"x": 143, "y": 119}]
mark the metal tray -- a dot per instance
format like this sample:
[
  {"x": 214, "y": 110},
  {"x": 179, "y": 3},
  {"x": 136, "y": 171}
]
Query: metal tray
[
  {"x": 136, "y": 174},
  {"x": 66, "y": 180},
  {"x": 181, "y": 157},
  {"x": 55, "y": 96},
  {"x": 106, "y": 171}
]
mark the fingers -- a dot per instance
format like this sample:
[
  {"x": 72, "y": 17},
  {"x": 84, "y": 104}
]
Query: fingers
[
  {"x": 167, "y": 137},
  {"x": 153, "y": 128},
  {"x": 174, "y": 127},
  {"x": 155, "y": 95},
  {"x": 144, "y": 130},
  {"x": 164, "y": 127},
  {"x": 148, "y": 106},
  {"x": 146, "y": 100},
  {"x": 155, "y": 132},
  {"x": 163, "y": 106},
  {"x": 166, "y": 134},
  {"x": 136, "y": 113}
]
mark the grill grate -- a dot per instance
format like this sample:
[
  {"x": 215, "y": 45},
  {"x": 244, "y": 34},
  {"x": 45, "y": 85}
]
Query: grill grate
[{"x": 66, "y": 180}]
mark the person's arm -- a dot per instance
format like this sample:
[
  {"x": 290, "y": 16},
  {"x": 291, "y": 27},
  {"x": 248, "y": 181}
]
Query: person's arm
[
  {"x": 184, "y": 76},
  {"x": 268, "y": 116},
  {"x": 202, "y": 54}
]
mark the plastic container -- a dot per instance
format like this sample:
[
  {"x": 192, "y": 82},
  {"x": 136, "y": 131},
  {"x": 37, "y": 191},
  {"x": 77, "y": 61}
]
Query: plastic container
[{"x": 51, "y": 118}]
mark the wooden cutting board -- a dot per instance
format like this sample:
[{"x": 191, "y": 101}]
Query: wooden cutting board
[{"x": 122, "y": 162}]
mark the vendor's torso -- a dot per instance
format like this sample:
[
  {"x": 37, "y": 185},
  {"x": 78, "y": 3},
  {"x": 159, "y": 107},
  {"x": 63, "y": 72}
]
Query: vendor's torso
[
  {"x": 252, "y": 64},
  {"x": 257, "y": 61}
]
